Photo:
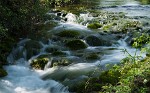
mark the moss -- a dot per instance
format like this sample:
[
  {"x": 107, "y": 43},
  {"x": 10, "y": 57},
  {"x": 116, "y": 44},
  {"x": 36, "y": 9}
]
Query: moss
[
  {"x": 92, "y": 56},
  {"x": 69, "y": 34},
  {"x": 59, "y": 53},
  {"x": 3, "y": 73},
  {"x": 51, "y": 49},
  {"x": 76, "y": 44},
  {"x": 40, "y": 62},
  {"x": 94, "y": 25},
  {"x": 107, "y": 27},
  {"x": 61, "y": 62}
]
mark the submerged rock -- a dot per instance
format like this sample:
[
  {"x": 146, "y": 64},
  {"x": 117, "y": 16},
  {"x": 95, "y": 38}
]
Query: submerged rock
[
  {"x": 92, "y": 56},
  {"x": 59, "y": 53},
  {"x": 94, "y": 40},
  {"x": 76, "y": 44},
  {"x": 52, "y": 49}
]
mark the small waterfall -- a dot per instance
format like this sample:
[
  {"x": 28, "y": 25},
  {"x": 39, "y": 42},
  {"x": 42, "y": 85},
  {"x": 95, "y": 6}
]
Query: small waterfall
[
  {"x": 71, "y": 18},
  {"x": 22, "y": 79},
  {"x": 48, "y": 65},
  {"x": 16, "y": 54}
]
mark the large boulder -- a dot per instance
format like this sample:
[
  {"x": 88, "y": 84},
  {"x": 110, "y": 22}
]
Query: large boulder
[
  {"x": 69, "y": 34},
  {"x": 76, "y": 44},
  {"x": 96, "y": 40}
]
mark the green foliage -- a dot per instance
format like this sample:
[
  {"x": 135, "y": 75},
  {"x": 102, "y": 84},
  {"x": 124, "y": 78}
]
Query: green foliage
[
  {"x": 132, "y": 75},
  {"x": 21, "y": 16},
  {"x": 62, "y": 2},
  {"x": 141, "y": 41},
  {"x": 3, "y": 33}
]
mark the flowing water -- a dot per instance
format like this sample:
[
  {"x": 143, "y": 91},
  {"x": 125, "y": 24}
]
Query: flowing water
[{"x": 23, "y": 79}]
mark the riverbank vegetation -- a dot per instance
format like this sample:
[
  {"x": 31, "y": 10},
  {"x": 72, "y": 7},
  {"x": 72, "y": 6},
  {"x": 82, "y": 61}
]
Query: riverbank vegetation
[{"x": 131, "y": 75}]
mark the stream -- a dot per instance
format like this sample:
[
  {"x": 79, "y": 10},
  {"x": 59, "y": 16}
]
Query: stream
[{"x": 68, "y": 65}]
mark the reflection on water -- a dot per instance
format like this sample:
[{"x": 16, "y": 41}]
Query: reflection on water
[{"x": 85, "y": 5}]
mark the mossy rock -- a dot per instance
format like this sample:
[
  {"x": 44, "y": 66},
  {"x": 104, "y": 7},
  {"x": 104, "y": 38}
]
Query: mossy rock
[
  {"x": 69, "y": 33},
  {"x": 76, "y": 44},
  {"x": 59, "y": 53},
  {"x": 52, "y": 49},
  {"x": 40, "y": 62},
  {"x": 92, "y": 56},
  {"x": 94, "y": 25},
  {"x": 3, "y": 73},
  {"x": 93, "y": 40},
  {"x": 60, "y": 62}
]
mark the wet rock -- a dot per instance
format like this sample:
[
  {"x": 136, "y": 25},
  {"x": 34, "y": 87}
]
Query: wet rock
[
  {"x": 95, "y": 40},
  {"x": 52, "y": 49},
  {"x": 60, "y": 62},
  {"x": 59, "y": 53},
  {"x": 33, "y": 48},
  {"x": 76, "y": 44},
  {"x": 92, "y": 56},
  {"x": 69, "y": 33},
  {"x": 40, "y": 62}
]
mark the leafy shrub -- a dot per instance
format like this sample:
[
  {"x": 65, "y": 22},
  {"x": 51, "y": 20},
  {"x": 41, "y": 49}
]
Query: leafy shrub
[{"x": 141, "y": 41}]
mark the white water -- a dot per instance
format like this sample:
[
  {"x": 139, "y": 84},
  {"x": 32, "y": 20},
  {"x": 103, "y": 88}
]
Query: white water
[{"x": 21, "y": 79}]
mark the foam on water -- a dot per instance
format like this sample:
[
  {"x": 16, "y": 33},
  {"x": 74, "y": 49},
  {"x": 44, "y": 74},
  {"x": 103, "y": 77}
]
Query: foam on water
[{"x": 21, "y": 79}]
